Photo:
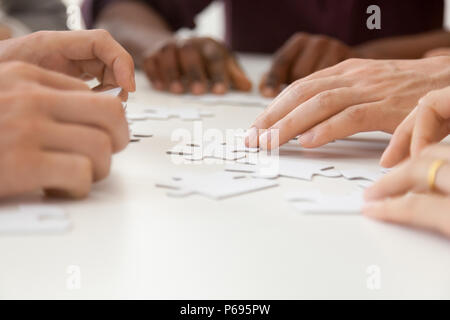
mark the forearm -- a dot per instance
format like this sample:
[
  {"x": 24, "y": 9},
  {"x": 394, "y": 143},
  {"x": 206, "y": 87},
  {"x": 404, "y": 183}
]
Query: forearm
[
  {"x": 407, "y": 47},
  {"x": 136, "y": 26}
]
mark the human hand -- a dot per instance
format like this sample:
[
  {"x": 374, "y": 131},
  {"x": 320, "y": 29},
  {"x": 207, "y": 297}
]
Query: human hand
[
  {"x": 354, "y": 96},
  {"x": 82, "y": 54},
  {"x": 55, "y": 134},
  {"x": 404, "y": 195},
  {"x": 427, "y": 124},
  {"x": 197, "y": 65},
  {"x": 300, "y": 56}
]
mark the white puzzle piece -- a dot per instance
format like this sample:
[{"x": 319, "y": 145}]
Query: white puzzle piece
[
  {"x": 34, "y": 218},
  {"x": 317, "y": 203},
  {"x": 274, "y": 167},
  {"x": 231, "y": 151},
  {"x": 115, "y": 92},
  {"x": 136, "y": 116},
  {"x": 138, "y": 132},
  {"x": 371, "y": 174},
  {"x": 232, "y": 98},
  {"x": 185, "y": 113},
  {"x": 218, "y": 185}
]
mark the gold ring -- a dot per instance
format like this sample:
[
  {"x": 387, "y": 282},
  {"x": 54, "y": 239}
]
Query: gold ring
[{"x": 432, "y": 173}]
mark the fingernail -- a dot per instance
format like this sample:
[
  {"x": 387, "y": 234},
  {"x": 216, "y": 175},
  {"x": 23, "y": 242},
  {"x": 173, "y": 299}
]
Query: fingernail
[
  {"x": 219, "y": 88},
  {"x": 158, "y": 85},
  {"x": 251, "y": 138},
  {"x": 306, "y": 138},
  {"x": 176, "y": 87},
  {"x": 197, "y": 88}
]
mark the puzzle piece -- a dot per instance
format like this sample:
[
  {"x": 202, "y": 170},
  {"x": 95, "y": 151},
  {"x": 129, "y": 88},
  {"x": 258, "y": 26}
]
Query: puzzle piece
[
  {"x": 136, "y": 116},
  {"x": 370, "y": 174},
  {"x": 141, "y": 132},
  {"x": 233, "y": 98},
  {"x": 274, "y": 167},
  {"x": 317, "y": 203},
  {"x": 215, "y": 150},
  {"x": 34, "y": 218},
  {"x": 218, "y": 185},
  {"x": 115, "y": 93}
]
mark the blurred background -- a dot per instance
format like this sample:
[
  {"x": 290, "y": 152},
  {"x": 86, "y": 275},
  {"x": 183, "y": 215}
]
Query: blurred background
[{"x": 209, "y": 23}]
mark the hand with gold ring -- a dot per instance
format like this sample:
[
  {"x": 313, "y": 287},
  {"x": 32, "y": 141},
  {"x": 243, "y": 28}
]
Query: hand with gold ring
[
  {"x": 428, "y": 123},
  {"x": 417, "y": 193}
]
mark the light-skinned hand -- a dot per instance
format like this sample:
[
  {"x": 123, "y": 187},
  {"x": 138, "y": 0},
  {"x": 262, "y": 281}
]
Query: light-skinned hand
[
  {"x": 404, "y": 196},
  {"x": 55, "y": 134},
  {"x": 428, "y": 123},
  {"x": 83, "y": 54},
  {"x": 354, "y": 96},
  {"x": 300, "y": 56}
]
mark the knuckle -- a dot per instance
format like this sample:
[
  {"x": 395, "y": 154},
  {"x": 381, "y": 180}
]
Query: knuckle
[
  {"x": 324, "y": 99},
  {"x": 357, "y": 114}
]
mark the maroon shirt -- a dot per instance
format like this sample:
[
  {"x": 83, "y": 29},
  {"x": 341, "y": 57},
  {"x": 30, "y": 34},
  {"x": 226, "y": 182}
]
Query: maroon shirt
[{"x": 264, "y": 25}]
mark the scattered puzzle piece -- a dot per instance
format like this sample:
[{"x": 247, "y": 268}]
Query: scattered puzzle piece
[
  {"x": 274, "y": 167},
  {"x": 141, "y": 132},
  {"x": 218, "y": 185},
  {"x": 370, "y": 174},
  {"x": 233, "y": 98},
  {"x": 317, "y": 203},
  {"x": 185, "y": 113},
  {"x": 34, "y": 218},
  {"x": 230, "y": 151}
]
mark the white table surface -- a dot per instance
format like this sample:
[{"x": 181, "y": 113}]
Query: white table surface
[{"x": 131, "y": 241}]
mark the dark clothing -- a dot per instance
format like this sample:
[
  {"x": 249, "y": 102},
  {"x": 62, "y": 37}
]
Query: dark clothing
[{"x": 264, "y": 25}]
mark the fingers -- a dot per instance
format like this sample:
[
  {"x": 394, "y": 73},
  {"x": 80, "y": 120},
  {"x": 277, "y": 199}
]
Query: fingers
[
  {"x": 432, "y": 121},
  {"x": 92, "y": 143},
  {"x": 56, "y": 80},
  {"x": 293, "y": 96},
  {"x": 169, "y": 68},
  {"x": 309, "y": 58},
  {"x": 282, "y": 62},
  {"x": 193, "y": 69},
  {"x": 97, "y": 44},
  {"x": 412, "y": 176},
  {"x": 334, "y": 53},
  {"x": 30, "y": 73},
  {"x": 398, "y": 148},
  {"x": 292, "y": 121},
  {"x": 153, "y": 73},
  {"x": 215, "y": 61},
  {"x": 89, "y": 109},
  {"x": 317, "y": 109},
  {"x": 239, "y": 79},
  {"x": 64, "y": 174},
  {"x": 359, "y": 118},
  {"x": 427, "y": 124},
  {"x": 423, "y": 211}
]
